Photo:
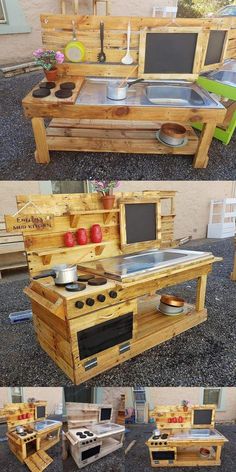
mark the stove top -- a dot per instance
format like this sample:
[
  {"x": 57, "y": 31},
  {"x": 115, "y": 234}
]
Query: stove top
[{"x": 83, "y": 435}]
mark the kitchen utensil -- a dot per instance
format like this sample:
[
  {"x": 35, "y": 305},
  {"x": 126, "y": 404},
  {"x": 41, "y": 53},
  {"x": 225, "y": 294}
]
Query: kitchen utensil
[
  {"x": 116, "y": 91},
  {"x": 62, "y": 273},
  {"x": 172, "y": 134},
  {"x": 20, "y": 429},
  {"x": 170, "y": 310},
  {"x": 205, "y": 453},
  {"x": 172, "y": 300},
  {"x": 170, "y": 145},
  {"x": 156, "y": 433},
  {"x": 124, "y": 81},
  {"x": 74, "y": 50},
  {"x": 69, "y": 240},
  {"x": 102, "y": 55},
  {"x": 127, "y": 59}
]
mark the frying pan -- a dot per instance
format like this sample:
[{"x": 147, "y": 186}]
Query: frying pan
[{"x": 74, "y": 50}]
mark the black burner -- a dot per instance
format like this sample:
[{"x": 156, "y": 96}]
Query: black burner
[
  {"x": 97, "y": 281},
  {"x": 47, "y": 85},
  {"x": 164, "y": 436},
  {"x": 67, "y": 86},
  {"x": 22, "y": 434},
  {"x": 63, "y": 93},
  {"x": 89, "y": 434},
  {"x": 85, "y": 278},
  {"x": 41, "y": 93},
  {"x": 75, "y": 287}
]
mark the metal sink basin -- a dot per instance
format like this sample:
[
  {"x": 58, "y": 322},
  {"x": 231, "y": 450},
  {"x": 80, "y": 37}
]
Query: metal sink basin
[
  {"x": 195, "y": 434},
  {"x": 174, "y": 95},
  {"x": 40, "y": 425},
  {"x": 226, "y": 77}
]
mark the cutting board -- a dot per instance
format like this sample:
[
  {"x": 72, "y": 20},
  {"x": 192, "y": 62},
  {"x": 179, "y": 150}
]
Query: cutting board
[
  {"x": 38, "y": 461},
  {"x": 53, "y": 99}
]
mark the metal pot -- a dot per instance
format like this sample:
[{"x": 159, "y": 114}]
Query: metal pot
[
  {"x": 170, "y": 310},
  {"x": 172, "y": 134},
  {"x": 115, "y": 92},
  {"x": 20, "y": 429},
  {"x": 62, "y": 273},
  {"x": 172, "y": 300}
]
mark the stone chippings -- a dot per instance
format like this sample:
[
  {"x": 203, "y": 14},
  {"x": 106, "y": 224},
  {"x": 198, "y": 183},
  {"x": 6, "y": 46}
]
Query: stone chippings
[
  {"x": 204, "y": 355},
  {"x": 17, "y": 151}
]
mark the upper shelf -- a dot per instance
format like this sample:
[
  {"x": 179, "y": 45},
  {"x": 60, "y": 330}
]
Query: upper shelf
[
  {"x": 107, "y": 215},
  {"x": 49, "y": 253}
]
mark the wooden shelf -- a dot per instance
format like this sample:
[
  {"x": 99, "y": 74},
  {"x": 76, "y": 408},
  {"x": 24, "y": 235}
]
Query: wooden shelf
[
  {"x": 107, "y": 215},
  {"x": 49, "y": 253}
]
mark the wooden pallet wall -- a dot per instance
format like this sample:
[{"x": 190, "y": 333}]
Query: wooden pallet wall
[
  {"x": 57, "y": 32},
  {"x": 61, "y": 205}
]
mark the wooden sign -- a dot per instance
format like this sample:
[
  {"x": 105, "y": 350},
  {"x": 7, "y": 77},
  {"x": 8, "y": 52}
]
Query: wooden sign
[{"x": 28, "y": 223}]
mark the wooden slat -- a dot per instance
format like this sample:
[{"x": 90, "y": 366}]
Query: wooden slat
[{"x": 38, "y": 461}]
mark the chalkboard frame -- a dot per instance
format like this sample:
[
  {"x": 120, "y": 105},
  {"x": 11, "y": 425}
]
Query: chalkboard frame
[
  {"x": 215, "y": 65},
  {"x": 40, "y": 404},
  {"x": 139, "y": 246},
  {"x": 197, "y": 61},
  {"x": 204, "y": 407}
]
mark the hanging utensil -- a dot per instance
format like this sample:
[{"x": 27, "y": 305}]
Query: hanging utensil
[
  {"x": 74, "y": 50},
  {"x": 102, "y": 55},
  {"x": 127, "y": 59}
]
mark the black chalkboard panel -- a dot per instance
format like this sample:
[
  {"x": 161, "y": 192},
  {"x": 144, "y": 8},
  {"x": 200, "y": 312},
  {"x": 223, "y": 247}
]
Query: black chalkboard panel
[
  {"x": 170, "y": 53},
  {"x": 41, "y": 412},
  {"x": 163, "y": 455},
  {"x": 105, "y": 414},
  {"x": 201, "y": 417},
  {"x": 215, "y": 47},
  {"x": 140, "y": 222}
]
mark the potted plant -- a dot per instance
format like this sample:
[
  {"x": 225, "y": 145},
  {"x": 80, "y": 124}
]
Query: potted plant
[
  {"x": 31, "y": 402},
  {"x": 185, "y": 404},
  {"x": 48, "y": 59},
  {"x": 106, "y": 188}
]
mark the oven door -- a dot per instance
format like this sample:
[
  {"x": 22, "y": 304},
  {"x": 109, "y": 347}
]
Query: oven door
[
  {"x": 164, "y": 456},
  {"x": 89, "y": 453},
  {"x": 104, "y": 329}
]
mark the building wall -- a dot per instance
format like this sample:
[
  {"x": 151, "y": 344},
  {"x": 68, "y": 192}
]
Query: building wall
[
  {"x": 192, "y": 201},
  {"x": 53, "y": 395},
  {"x": 9, "y": 190},
  {"x": 173, "y": 396},
  {"x": 17, "y": 48},
  {"x": 110, "y": 395}
]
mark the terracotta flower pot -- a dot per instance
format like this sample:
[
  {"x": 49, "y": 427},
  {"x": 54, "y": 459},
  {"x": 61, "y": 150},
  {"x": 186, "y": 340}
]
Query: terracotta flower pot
[
  {"x": 108, "y": 201},
  {"x": 185, "y": 408},
  {"x": 51, "y": 75}
]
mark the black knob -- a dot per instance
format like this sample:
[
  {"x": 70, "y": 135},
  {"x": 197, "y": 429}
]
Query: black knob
[
  {"x": 79, "y": 304},
  {"x": 113, "y": 294},
  {"x": 160, "y": 443},
  {"x": 152, "y": 444},
  {"x": 95, "y": 439},
  {"x": 165, "y": 443},
  {"x": 90, "y": 301},
  {"x": 101, "y": 298}
]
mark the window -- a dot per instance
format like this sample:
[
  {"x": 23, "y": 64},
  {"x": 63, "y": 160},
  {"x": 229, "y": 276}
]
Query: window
[
  {"x": 16, "y": 395},
  {"x": 3, "y": 18},
  {"x": 212, "y": 396}
]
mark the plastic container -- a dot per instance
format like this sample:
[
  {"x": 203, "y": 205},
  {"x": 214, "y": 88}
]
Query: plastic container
[{"x": 20, "y": 316}]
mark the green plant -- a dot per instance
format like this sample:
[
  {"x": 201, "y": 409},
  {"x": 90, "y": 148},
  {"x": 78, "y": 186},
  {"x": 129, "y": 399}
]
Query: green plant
[
  {"x": 200, "y": 8},
  {"x": 48, "y": 59},
  {"x": 105, "y": 187}
]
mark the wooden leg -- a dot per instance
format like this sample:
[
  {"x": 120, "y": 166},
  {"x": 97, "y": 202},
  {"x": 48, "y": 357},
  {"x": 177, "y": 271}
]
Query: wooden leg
[
  {"x": 218, "y": 453},
  {"x": 201, "y": 292},
  {"x": 233, "y": 275},
  {"x": 42, "y": 153},
  {"x": 201, "y": 157}
]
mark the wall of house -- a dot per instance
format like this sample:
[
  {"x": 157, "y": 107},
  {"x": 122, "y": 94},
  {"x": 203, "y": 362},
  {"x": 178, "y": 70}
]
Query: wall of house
[
  {"x": 52, "y": 395},
  {"x": 110, "y": 395},
  {"x": 16, "y": 48},
  {"x": 9, "y": 190},
  {"x": 192, "y": 201},
  {"x": 174, "y": 396}
]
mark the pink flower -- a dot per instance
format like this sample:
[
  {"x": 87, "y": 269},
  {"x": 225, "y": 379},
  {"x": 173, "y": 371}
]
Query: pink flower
[
  {"x": 59, "y": 56},
  {"x": 38, "y": 52}
]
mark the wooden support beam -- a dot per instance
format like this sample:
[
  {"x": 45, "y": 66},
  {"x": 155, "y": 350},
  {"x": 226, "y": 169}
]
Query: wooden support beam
[
  {"x": 42, "y": 153},
  {"x": 201, "y": 292},
  {"x": 201, "y": 157}
]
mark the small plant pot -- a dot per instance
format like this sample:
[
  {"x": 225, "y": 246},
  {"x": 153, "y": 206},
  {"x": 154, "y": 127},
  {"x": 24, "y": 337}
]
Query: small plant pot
[
  {"x": 185, "y": 408},
  {"x": 108, "y": 201},
  {"x": 51, "y": 75}
]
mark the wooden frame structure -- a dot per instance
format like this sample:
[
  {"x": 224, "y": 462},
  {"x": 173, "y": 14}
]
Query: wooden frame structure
[
  {"x": 179, "y": 448},
  {"x": 65, "y": 322},
  {"x": 30, "y": 449},
  {"x": 127, "y": 128}
]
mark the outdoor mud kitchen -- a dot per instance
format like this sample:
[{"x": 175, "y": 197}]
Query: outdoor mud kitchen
[
  {"x": 185, "y": 436},
  {"x": 129, "y": 84},
  {"x": 96, "y": 273}
]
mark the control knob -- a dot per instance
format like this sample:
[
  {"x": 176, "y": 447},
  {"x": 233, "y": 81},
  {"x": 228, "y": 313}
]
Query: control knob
[
  {"x": 113, "y": 294},
  {"x": 101, "y": 298},
  {"x": 90, "y": 301},
  {"x": 79, "y": 304}
]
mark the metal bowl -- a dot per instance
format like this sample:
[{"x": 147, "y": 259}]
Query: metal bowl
[
  {"x": 172, "y": 300},
  {"x": 170, "y": 310}
]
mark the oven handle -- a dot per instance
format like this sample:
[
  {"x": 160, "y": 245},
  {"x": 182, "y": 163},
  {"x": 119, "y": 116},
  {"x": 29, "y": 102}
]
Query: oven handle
[
  {"x": 55, "y": 308},
  {"x": 107, "y": 317}
]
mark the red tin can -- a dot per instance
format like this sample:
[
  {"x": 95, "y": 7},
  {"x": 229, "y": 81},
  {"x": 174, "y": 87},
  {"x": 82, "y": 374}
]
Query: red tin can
[
  {"x": 69, "y": 240},
  {"x": 96, "y": 234},
  {"x": 81, "y": 236}
]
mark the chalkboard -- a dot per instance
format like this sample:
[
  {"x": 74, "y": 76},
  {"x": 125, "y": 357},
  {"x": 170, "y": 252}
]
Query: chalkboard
[
  {"x": 163, "y": 455},
  {"x": 140, "y": 219},
  {"x": 41, "y": 412},
  {"x": 202, "y": 417},
  {"x": 215, "y": 47},
  {"x": 170, "y": 53},
  {"x": 105, "y": 414}
]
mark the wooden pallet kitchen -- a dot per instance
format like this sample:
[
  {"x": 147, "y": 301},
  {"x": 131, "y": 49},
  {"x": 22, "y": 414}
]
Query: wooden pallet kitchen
[
  {"x": 91, "y": 331},
  {"x": 30, "y": 434},
  {"x": 88, "y": 121},
  {"x": 185, "y": 437},
  {"x": 91, "y": 433}
]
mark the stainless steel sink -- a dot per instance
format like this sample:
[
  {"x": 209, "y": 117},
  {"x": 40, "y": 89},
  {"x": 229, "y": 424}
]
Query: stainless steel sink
[
  {"x": 40, "y": 425},
  {"x": 174, "y": 95},
  {"x": 195, "y": 434},
  {"x": 226, "y": 77}
]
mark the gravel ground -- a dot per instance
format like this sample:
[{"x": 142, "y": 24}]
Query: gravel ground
[
  {"x": 17, "y": 151},
  {"x": 204, "y": 355},
  {"x": 10, "y": 463},
  {"x": 138, "y": 457}
]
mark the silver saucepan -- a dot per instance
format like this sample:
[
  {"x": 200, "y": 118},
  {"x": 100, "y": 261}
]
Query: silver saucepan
[
  {"x": 20, "y": 429},
  {"x": 62, "y": 273},
  {"x": 117, "y": 92}
]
